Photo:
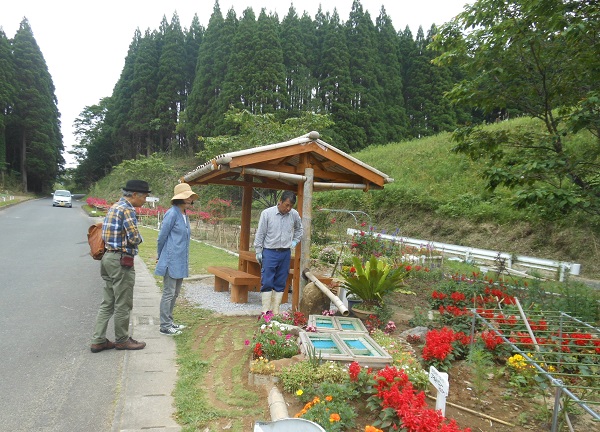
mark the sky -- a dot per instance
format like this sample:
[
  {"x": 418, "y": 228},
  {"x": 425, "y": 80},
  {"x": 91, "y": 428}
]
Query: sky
[{"x": 85, "y": 43}]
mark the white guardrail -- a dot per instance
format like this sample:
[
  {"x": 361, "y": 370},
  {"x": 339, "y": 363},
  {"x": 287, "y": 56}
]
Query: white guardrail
[{"x": 472, "y": 254}]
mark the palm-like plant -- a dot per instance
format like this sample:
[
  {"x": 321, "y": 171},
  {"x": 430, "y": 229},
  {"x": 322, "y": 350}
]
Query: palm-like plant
[{"x": 372, "y": 280}]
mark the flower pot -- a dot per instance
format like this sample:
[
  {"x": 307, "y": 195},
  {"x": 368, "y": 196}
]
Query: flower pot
[
  {"x": 352, "y": 303},
  {"x": 362, "y": 313}
]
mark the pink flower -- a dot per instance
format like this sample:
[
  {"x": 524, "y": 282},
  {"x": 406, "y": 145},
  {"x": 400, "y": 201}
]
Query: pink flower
[{"x": 246, "y": 342}]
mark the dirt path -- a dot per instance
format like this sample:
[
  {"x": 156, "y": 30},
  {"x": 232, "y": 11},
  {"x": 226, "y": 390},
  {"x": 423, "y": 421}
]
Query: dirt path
[{"x": 235, "y": 404}]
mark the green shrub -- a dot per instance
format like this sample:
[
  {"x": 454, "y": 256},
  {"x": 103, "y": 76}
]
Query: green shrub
[
  {"x": 304, "y": 376},
  {"x": 329, "y": 406},
  {"x": 328, "y": 254}
]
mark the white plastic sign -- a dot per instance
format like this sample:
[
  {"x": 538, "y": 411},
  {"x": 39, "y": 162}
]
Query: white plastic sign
[{"x": 441, "y": 384}]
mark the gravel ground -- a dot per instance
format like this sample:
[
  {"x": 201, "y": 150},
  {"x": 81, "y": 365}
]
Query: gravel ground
[{"x": 200, "y": 291}]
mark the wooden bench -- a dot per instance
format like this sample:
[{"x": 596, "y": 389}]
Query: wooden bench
[{"x": 240, "y": 282}]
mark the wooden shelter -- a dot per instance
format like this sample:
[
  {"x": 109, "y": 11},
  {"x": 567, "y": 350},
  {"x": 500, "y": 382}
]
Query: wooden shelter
[{"x": 302, "y": 165}]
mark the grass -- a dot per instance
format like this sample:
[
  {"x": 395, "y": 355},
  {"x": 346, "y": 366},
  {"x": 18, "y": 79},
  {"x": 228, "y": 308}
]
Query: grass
[
  {"x": 15, "y": 200},
  {"x": 201, "y": 254},
  {"x": 209, "y": 393}
]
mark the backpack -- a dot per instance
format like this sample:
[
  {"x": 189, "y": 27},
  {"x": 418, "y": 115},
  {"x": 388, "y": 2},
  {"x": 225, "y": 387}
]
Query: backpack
[{"x": 97, "y": 247}]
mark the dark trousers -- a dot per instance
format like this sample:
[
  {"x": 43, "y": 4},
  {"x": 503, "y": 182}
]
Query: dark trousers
[{"x": 275, "y": 269}]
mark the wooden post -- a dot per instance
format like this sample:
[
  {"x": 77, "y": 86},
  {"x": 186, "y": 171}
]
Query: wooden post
[{"x": 245, "y": 225}]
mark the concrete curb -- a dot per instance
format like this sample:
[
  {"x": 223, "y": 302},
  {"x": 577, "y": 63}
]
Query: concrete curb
[{"x": 149, "y": 375}]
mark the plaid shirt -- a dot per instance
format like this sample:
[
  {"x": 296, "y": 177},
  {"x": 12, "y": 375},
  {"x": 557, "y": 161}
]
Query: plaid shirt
[{"x": 119, "y": 230}]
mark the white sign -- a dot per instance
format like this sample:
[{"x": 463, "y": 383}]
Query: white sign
[
  {"x": 152, "y": 199},
  {"x": 441, "y": 384}
]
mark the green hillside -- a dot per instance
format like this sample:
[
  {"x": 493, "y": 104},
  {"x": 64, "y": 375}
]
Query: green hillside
[{"x": 436, "y": 195}]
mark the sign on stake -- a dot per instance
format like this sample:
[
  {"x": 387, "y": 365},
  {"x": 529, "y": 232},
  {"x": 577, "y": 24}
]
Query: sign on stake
[{"x": 441, "y": 384}]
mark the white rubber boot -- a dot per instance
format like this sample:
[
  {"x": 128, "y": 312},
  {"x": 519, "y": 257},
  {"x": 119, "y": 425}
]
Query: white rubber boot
[
  {"x": 276, "y": 301},
  {"x": 266, "y": 301}
]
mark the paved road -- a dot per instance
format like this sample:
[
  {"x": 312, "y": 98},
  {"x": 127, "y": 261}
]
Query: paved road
[{"x": 49, "y": 292}]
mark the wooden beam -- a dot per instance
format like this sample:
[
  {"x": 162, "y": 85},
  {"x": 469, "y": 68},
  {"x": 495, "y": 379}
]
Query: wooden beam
[
  {"x": 283, "y": 152},
  {"x": 350, "y": 165}
]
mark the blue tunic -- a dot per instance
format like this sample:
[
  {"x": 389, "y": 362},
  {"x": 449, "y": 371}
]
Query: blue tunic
[{"x": 174, "y": 245}]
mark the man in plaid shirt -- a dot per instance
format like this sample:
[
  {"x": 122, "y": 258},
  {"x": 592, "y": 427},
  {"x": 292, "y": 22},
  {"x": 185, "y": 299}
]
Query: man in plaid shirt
[{"x": 122, "y": 237}]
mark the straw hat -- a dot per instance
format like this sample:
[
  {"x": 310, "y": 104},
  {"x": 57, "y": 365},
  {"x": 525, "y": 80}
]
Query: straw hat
[{"x": 183, "y": 191}]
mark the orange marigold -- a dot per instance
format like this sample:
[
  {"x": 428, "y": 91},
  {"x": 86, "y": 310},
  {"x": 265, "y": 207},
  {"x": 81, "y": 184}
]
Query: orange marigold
[
  {"x": 372, "y": 429},
  {"x": 334, "y": 418}
]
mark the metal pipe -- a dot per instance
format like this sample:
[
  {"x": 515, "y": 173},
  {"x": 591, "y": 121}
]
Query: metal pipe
[
  {"x": 527, "y": 326},
  {"x": 483, "y": 254},
  {"x": 335, "y": 299}
]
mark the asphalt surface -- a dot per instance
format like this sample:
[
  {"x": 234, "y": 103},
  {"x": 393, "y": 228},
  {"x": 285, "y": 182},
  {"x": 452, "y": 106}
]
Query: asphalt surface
[{"x": 50, "y": 290}]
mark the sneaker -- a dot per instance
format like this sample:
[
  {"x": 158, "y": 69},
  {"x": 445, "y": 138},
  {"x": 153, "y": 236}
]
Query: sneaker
[
  {"x": 130, "y": 344},
  {"x": 178, "y": 326},
  {"x": 171, "y": 331}
]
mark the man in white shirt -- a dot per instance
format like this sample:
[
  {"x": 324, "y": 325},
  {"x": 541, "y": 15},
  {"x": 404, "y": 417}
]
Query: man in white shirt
[{"x": 279, "y": 231}]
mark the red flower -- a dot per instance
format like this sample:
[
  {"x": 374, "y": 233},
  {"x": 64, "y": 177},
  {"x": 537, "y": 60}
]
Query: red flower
[
  {"x": 491, "y": 340},
  {"x": 457, "y": 296},
  {"x": 353, "y": 371}
]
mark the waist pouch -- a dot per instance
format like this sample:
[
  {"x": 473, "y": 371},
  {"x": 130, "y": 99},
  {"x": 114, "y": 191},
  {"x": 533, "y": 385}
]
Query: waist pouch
[{"x": 126, "y": 260}]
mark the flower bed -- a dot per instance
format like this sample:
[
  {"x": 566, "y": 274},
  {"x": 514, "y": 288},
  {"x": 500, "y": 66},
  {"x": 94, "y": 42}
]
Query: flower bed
[{"x": 334, "y": 393}]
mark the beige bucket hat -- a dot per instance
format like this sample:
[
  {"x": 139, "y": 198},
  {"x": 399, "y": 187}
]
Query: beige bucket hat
[{"x": 183, "y": 191}]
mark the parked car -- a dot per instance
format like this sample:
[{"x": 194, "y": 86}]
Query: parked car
[{"x": 62, "y": 198}]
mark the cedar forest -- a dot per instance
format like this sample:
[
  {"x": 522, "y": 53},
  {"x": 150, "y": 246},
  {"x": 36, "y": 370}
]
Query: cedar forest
[{"x": 177, "y": 84}]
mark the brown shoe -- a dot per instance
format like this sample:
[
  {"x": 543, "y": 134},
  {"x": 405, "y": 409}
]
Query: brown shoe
[
  {"x": 130, "y": 344},
  {"x": 96, "y": 348}
]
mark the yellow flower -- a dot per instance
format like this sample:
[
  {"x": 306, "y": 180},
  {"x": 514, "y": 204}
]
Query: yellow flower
[
  {"x": 299, "y": 392},
  {"x": 334, "y": 418}
]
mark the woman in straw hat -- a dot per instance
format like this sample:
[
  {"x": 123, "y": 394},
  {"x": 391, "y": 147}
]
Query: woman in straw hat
[{"x": 173, "y": 254}]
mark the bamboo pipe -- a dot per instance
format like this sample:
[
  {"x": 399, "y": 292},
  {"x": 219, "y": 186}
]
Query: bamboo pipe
[
  {"x": 335, "y": 299},
  {"x": 477, "y": 413}
]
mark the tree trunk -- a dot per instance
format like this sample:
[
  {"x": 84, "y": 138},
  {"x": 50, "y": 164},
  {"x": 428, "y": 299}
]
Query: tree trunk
[{"x": 23, "y": 160}]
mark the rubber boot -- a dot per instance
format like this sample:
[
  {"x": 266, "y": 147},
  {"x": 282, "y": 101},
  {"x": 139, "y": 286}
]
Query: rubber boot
[
  {"x": 266, "y": 301},
  {"x": 276, "y": 301}
]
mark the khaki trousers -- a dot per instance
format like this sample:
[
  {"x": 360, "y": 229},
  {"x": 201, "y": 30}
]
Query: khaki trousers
[{"x": 117, "y": 299}]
